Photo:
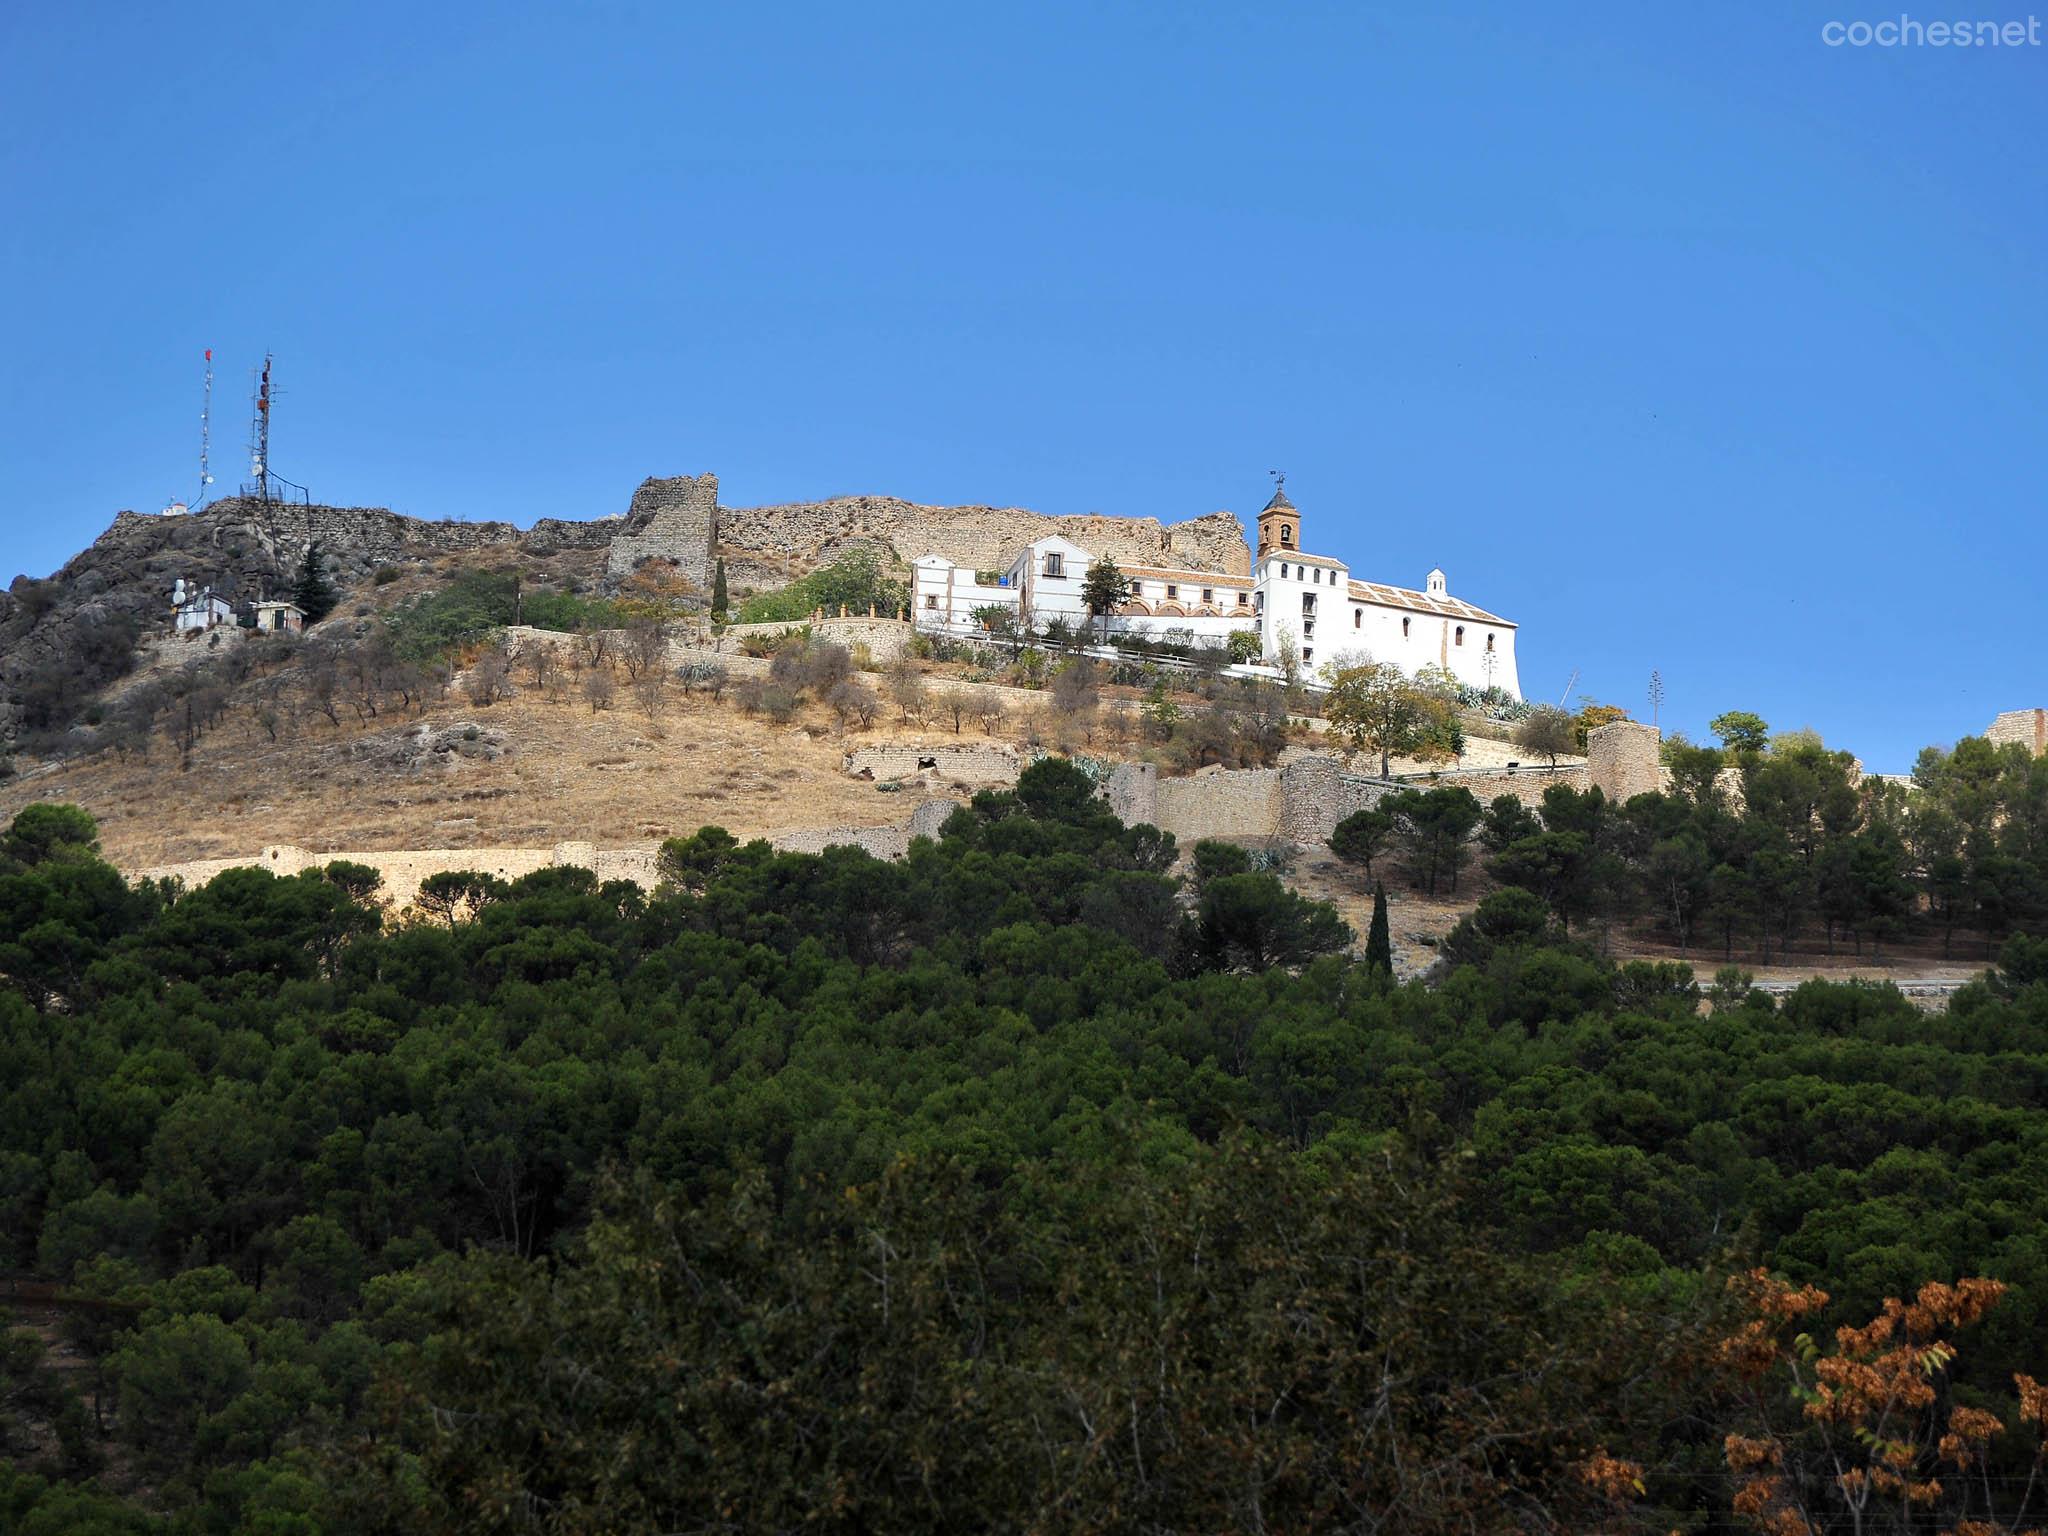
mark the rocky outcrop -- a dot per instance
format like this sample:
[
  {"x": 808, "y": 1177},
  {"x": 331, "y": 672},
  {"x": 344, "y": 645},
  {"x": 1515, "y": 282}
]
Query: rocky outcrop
[{"x": 67, "y": 636}]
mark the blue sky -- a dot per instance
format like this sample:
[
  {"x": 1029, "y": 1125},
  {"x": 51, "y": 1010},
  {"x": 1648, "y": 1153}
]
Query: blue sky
[{"x": 1673, "y": 333}]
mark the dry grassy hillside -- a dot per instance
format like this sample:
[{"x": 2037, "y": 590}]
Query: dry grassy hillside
[{"x": 534, "y": 773}]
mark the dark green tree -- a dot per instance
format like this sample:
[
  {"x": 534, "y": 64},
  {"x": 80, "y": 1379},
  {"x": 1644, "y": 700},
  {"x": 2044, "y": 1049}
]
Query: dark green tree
[
  {"x": 314, "y": 590},
  {"x": 720, "y": 598},
  {"x": 1362, "y": 836},
  {"x": 1379, "y": 940},
  {"x": 1104, "y": 589}
]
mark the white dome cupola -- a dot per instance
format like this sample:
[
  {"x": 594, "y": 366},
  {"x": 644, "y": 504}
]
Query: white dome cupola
[{"x": 1435, "y": 585}]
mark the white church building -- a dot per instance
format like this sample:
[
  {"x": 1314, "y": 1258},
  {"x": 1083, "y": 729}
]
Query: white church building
[{"x": 1291, "y": 597}]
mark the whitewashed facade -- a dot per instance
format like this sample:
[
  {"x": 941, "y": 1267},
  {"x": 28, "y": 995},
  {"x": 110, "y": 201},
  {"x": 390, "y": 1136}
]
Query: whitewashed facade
[
  {"x": 1291, "y": 597},
  {"x": 199, "y": 608}
]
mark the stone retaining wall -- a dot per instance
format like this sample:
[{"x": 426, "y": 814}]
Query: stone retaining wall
[{"x": 884, "y": 638}]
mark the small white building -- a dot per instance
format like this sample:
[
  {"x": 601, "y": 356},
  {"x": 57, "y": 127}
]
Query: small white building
[
  {"x": 1291, "y": 598},
  {"x": 199, "y": 608},
  {"x": 279, "y": 616}
]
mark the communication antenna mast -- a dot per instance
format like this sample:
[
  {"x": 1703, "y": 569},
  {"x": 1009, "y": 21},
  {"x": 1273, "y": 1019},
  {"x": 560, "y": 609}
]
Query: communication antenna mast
[
  {"x": 205, "y": 432},
  {"x": 259, "y": 433},
  {"x": 1656, "y": 694}
]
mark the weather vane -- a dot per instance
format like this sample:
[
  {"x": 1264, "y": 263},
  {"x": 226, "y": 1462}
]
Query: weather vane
[{"x": 1279, "y": 479}]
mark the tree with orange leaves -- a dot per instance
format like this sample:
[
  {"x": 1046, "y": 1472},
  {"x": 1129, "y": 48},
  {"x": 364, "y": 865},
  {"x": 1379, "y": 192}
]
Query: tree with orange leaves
[{"x": 1878, "y": 1443}]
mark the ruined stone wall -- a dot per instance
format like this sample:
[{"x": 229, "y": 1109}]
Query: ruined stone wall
[
  {"x": 975, "y": 763},
  {"x": 2028, "y": 727},
  {"x": 1526, "y": 784},
  {"x": 1132, "y": 790},
  {"x": 403, "y": 869},
  {"x": 1302, "y": 801},
  {"x": 1622, "y": 760},
  {"x": 753, "y": 539},
  {"x": 1220, "y": 803},
  {"x": 673, "y": 519},
  {"x": 1318, "y": 792}
]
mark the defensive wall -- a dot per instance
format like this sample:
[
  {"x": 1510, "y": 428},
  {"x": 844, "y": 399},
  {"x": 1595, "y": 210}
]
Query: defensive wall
[
  {"x": 404, "y": 870},
  {"x": 2028, "y": 727},
  {"x": 1300, "y": 802},
  {"x": 762, "y": 539},
  {"x": 979, "y": 763},
  {"x": 673, "y": 519}
]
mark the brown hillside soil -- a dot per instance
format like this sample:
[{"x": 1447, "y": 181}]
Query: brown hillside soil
[{"x": 537, "y": 772}]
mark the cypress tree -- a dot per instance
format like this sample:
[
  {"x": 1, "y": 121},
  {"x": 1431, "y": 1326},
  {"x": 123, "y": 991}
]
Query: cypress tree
[
  {"x": 313, "y": 591},
  {"x": 1379, "y": 944},
  {"x": 719, "y": 596}
]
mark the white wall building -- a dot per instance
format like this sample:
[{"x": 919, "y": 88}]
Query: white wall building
[
  {"x": 1291, "y": 597},
  {"x": 279, "y": 616},
  {"x": 199, "y": 608}
]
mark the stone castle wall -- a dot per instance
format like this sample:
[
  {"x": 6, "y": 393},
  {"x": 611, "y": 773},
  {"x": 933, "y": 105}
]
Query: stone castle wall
[
  {"x": 1302, "y": 801},
  {"x": 404, "y": 870},
  {"x": 753, "y": 539},
  {"x": 674, "y": 519},
  {"x": 975, "y": 763},
  {"x": 2027, "y": 727},
  {"x": 1622, "y": 758}
]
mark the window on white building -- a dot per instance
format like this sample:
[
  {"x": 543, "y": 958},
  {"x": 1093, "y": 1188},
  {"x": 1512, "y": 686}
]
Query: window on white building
[
  {"x": 931, "y": 602},
  {"x": 1489, "y": 640},
  {"x": 1208, "y": 594},
  {"x": 1172, "y": 590},
  {"x": 1458, "y": 638},
  {"x": 1308, "y": 654},
  {"x": 1357, "y": 618},
  {"x": 1404, "y": 629},
  {"x": 1054, "y": 565}
]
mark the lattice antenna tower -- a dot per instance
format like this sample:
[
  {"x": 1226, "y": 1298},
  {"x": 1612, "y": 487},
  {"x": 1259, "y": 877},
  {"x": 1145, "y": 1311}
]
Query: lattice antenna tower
[
  {"x": 259, "y": 432},
  {"x": 205, "y": 433}
]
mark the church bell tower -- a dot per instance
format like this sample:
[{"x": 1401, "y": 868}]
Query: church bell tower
[{"x": 1279, "y": 524}]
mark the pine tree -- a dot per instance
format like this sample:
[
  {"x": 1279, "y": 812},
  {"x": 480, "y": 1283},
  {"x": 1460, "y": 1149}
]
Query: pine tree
[
  {"x": 1379, "y": 943},
  {"x": 719, "y": 596},
  {"x": 313, "y": 591}
]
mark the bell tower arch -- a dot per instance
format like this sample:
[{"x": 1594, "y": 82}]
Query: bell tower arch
[{"x": 1279, "y": 523}]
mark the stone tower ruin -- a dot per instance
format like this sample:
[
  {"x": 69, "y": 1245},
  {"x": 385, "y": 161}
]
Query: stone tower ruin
[{"x": 673, "y": 519}]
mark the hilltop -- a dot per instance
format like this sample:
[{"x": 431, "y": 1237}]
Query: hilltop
[{"x": 65, "y": 637}]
